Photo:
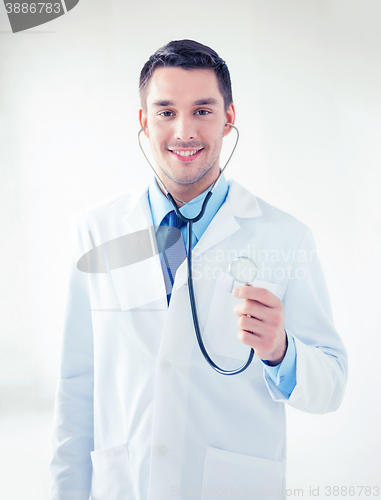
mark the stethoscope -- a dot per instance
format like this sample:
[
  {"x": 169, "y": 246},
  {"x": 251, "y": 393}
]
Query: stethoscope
[{"x": 242, "y": 269}]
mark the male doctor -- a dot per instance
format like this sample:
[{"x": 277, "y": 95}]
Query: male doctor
[{"x": 140, "y": 414}]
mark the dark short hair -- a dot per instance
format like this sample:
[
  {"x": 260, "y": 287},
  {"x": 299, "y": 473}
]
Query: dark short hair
[{"x": 187, "y": 54}]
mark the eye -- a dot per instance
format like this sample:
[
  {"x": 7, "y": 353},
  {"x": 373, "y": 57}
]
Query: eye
[
  {"x": 166, "y": 114},
  {"x": 202, "y": 112}
]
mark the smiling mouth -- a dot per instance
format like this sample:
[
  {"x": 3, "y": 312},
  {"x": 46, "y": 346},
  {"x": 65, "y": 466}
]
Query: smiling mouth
[{"x": 189, "y": 152}]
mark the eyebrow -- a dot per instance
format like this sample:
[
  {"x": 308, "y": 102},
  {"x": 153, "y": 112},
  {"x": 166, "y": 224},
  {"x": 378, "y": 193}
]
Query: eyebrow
[{"x": 200, "y": 102}]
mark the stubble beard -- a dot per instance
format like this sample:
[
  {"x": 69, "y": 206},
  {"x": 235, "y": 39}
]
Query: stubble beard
[{"x": 188, "y": 177}]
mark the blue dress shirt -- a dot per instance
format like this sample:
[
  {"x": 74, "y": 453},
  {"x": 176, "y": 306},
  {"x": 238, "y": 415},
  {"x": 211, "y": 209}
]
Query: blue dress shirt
[
  {"x": 284, "y": 374},
  {"x": 161, "y": 206}
]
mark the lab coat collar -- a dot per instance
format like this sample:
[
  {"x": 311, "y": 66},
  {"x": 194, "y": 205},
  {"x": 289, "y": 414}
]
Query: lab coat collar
[
  {"x": 130, "y": 281},
  {"x": 160, "y": 206},
  {"x": 242, "y": 203},
  {"x": 135, "y": 209},
  {"x": 239, "y": 203}
]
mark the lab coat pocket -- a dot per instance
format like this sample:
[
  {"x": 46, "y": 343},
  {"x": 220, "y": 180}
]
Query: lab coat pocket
[
  {"x": 221, "y": 327},
  {"x": 111, "y": 478},
  {"x": 233, "y": 475}
]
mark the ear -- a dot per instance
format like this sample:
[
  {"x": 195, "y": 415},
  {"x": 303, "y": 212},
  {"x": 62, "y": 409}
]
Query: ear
[
  {"x": 143, "y": 121},
  {"x": 229, "y": 118}
]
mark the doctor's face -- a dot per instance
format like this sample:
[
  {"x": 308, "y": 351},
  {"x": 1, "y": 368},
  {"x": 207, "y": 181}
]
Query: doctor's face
[{"x": 186, "y": 121}]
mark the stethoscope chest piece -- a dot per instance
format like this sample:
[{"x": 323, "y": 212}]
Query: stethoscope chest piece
[{"x": 243, "y": 269}]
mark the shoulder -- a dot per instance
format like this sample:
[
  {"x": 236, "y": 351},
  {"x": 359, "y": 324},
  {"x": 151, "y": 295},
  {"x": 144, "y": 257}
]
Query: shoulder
[
  {"x": 274, "y": 214},
  {"x": 112, "y": 205}
]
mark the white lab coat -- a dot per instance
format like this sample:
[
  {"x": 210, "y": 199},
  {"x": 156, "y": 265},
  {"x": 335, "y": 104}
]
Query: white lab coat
[{"x": 139, "y": 412}]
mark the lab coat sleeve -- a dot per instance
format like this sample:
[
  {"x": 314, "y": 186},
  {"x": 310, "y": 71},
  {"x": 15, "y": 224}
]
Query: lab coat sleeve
[
  {"x": 321, "y": 359},
  {"x": 70, "y": 469}
]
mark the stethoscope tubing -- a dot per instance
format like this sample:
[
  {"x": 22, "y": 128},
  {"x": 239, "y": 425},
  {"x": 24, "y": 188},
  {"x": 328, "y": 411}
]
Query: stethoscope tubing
[
  {"x": 189, "y": 223},
  {"x": 195, "y": 317}
]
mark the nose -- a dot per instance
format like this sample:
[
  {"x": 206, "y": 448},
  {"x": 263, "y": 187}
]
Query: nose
[{"x": 185, "y": 129}]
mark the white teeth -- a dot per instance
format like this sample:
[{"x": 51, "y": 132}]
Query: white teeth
[{"x": 186, "y": 153}]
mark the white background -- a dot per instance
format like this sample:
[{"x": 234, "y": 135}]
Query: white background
[{"x": 306, "y": 84}]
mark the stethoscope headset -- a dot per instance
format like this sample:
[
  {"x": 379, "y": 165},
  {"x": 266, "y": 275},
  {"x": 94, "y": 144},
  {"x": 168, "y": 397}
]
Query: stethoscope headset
[{"x": 189, "y": 223}]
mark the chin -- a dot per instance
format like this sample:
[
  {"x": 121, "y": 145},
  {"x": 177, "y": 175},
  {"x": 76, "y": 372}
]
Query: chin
[{"x": 184, "y": 181}]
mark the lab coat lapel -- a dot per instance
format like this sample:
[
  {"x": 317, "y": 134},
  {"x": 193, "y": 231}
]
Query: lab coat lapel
[
  {"x": 140, "y": 284},
  {"x": 239, "y": 203}
]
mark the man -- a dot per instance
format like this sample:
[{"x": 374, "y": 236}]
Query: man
[{"x": 140, "y": 414}]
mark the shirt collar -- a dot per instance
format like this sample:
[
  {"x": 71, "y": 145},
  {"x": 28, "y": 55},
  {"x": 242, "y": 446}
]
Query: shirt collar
[{"x": 160, "y": 205}]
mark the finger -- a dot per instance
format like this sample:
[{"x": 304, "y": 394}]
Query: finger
[
  {"x": 263, "y": 346},
  {"x": 261, "y": 295},
  {"x": 272, "y": 323},
  {"x": 252, "y": 325},
  {"x": 252, "y": 308},
  {"x": 252, "y": 340}
]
